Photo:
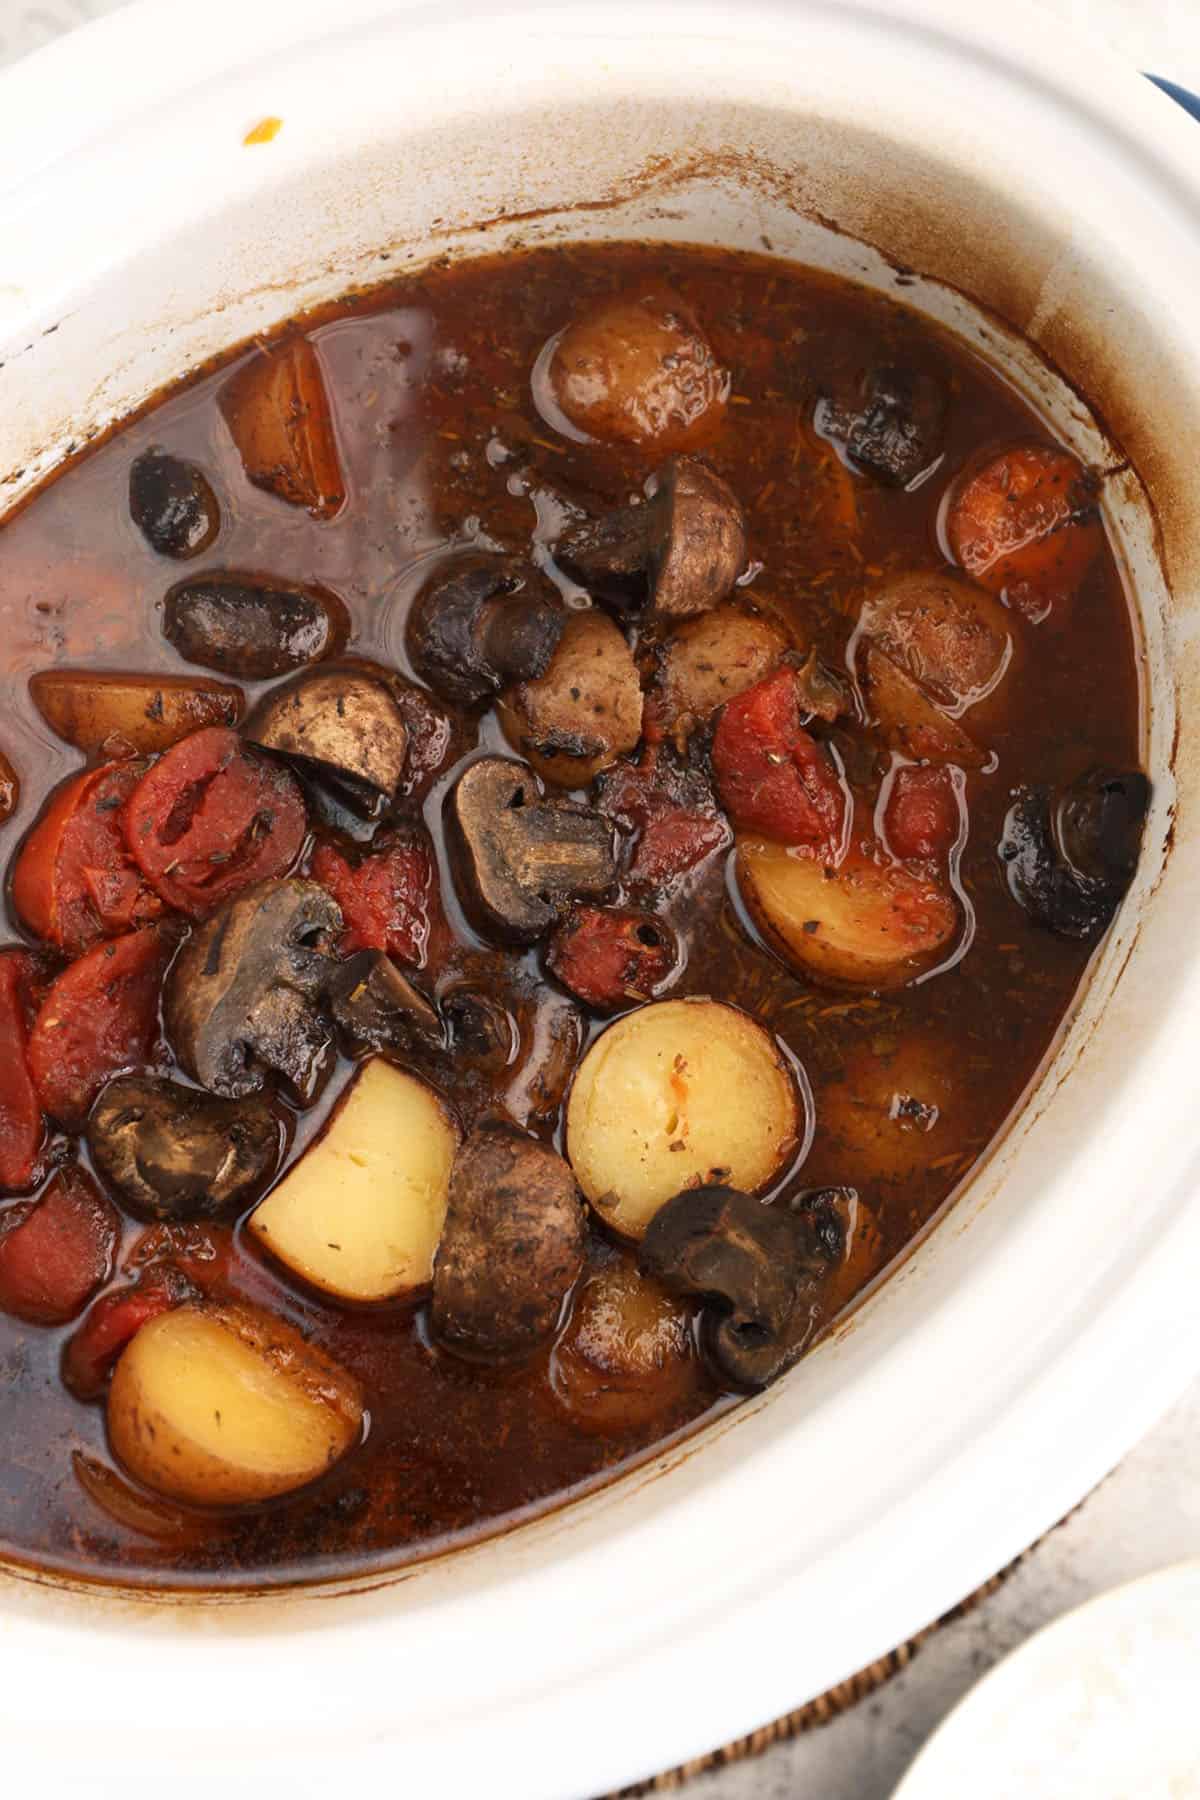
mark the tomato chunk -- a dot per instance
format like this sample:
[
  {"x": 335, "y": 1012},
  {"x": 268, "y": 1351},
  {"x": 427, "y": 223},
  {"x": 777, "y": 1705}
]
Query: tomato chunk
[
  {"x": 202, "y": 1252},
  {"x": 207, "y": 820},
  {"x": 99, "y": 1017},
  {"x": 921, "y": 819},
  {"x": 113, "y": 1321},
  {"x": 74, "y": 882},
  {"x": 55, "y": 1251},
  {"x": 772, "y": 777},
  {"x": 389, "y": 898},
  {"x": 611, "y": 956},
  {"x": 670, "y": 810},
  {"x": 1027, "y": 527},
  {"x": 22, "y": 1130}
]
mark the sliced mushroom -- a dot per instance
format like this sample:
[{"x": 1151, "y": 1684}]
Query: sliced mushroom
[
  {"x": 172, "y": 504},
  {"x": 512, "y": 1247},
  {"x": 523, "y": 858},
  {"x": 585, "y": 711},
  {"x": 342, "y": 723},
  {"x": 748, "y": 1263},
  {"x": 1070, "y": 859},
  {"x": 177, "y": 1153},
  {"x": 379, "y": 1008},
  {"x": 678, "y": 553},
  {"x": 483, "y": 1032},
  {"x": 242, "y": 998},
  {"x": 896, "y": 430},
  {"x": 482, "y": 622},
  {"x": 254, "y": 629}
]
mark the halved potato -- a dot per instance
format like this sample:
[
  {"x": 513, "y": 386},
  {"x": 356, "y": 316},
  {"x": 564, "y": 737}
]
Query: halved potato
[
  {"x": 952, "y": 637},
  {"x": 277, "y": 409},
  {"x": 149, "y": 712},
  {"x": 910, "y": 721},
  {"x": 225, "y": 1405},
  {"x": 677, "y": 1094},
  {"x": 862, "y": 925},
  {"x": 713, "y": 658},
  {"x": 361, "y": 1213},
  {"x": 890, "y": 1115},
  {"x": 627, "y": 1356}
]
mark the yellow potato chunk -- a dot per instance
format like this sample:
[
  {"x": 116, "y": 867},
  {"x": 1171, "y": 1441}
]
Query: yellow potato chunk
[
  {"x": 147, "y": 712},
  {"x": 360, "y": 1215},
  {"x": 863, "y": 925},
  {"x": 677, "y": 1094},
  {"x": 228, "y": 1405}
]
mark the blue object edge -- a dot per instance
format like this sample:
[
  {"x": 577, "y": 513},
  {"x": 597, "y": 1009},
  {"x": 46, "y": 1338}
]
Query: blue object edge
[{"x": 1182, "y": 96}]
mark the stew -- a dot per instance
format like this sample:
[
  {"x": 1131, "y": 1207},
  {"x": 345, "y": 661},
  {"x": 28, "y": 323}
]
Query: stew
[{"x": 553, "y": 810}]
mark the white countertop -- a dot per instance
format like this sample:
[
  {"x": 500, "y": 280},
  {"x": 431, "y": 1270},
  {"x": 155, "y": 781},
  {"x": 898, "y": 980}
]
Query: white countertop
[{"x": 1147, "y": 1514}]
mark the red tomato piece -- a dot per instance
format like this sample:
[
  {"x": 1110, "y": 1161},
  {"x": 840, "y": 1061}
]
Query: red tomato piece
[
  {"x": 22, "y": 1129},
  {"x": 1026, "y": 526},
  {"x": 99, "y": 1017},
  {"x": 389, "y": 898},
  {"x": 671, "y": 812},
  {"x": 74, "y": 882},
  {"x": 772, "y": 777},
  {"x": 113, "y": 1322},
  {"x": 207, "y": 820},
  {"x": 204, "y": 1253},
  {"x": 55, "y": 1251},
  {"x": 921, "y": 818},
  {"x": 611, "y": 956}
]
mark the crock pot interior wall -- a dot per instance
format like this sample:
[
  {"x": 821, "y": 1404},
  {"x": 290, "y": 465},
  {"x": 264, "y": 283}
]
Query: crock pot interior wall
[{"x": 625, "y": 169}]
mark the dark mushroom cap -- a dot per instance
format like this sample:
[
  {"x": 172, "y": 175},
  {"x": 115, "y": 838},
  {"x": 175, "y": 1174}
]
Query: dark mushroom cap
[
  {"x": 748, "y": 1263},
  {"x": 1069, "y": 858},
  {"x": 243, "y": 997},
  {"x": 522, "y": 857},
  {"x": 378, "y": 1007},
  {"x": 177, "y": 1153},
  {"x": 678, "y": 553},
  {"x": 481, "y": 622},
  {"x": 252, "y": 628}
]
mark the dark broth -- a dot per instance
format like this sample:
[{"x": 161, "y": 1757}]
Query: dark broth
[{"x": 440, "y": 439}]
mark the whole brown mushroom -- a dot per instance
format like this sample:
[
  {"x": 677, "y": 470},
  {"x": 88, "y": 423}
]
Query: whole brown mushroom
[{"x": 482, "y": 622}]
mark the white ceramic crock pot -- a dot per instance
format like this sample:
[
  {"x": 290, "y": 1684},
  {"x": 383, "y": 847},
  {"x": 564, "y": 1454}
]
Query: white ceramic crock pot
[{"x": 1039, "y": 1330}]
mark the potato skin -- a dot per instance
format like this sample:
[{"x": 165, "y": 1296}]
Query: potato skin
[
  {"x": 512, "y": 1247},
  {"x": 585, "y": 711},
  {"x": 277, "y": 411},
  {"x": 168, "y": 1440},
  {"x": 863, "y": 925},
  {"x": 713, "y": 658},
  {"x": 148, "y": 712},
  {"x": 627, "y": 1354},
  {"x": 910, "y": 721},
  {"x": 638, "y": 370}
]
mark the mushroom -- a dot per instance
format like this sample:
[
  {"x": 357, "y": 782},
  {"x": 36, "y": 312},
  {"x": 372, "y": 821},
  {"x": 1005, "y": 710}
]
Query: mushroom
[
  {"x": 176, "y": 1153},
  {"x": 379, "y": 1008},
  {"x": 1070, "y": 860},
  {"x": 896, "y": 430},
  {"x": 748, "y": 1263},
  {"x": 254, "y": 629},
  {"x": 341, "y": 724},
  {"x": 585, "y": 711},
  {"x": 172, "y": 505},
  {"x": 679, "y": 552},
  {"x": 523, "y": 858},
  {"x": 242, "y": 998},
  {"x": 482, "y": 1030},
  {"x": 512, "y": 1246},
  {"x": 482, "y": 622}
]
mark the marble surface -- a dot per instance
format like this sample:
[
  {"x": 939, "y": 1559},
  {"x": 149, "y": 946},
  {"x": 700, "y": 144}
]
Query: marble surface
[{"x": 1147, "y": 1513}]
